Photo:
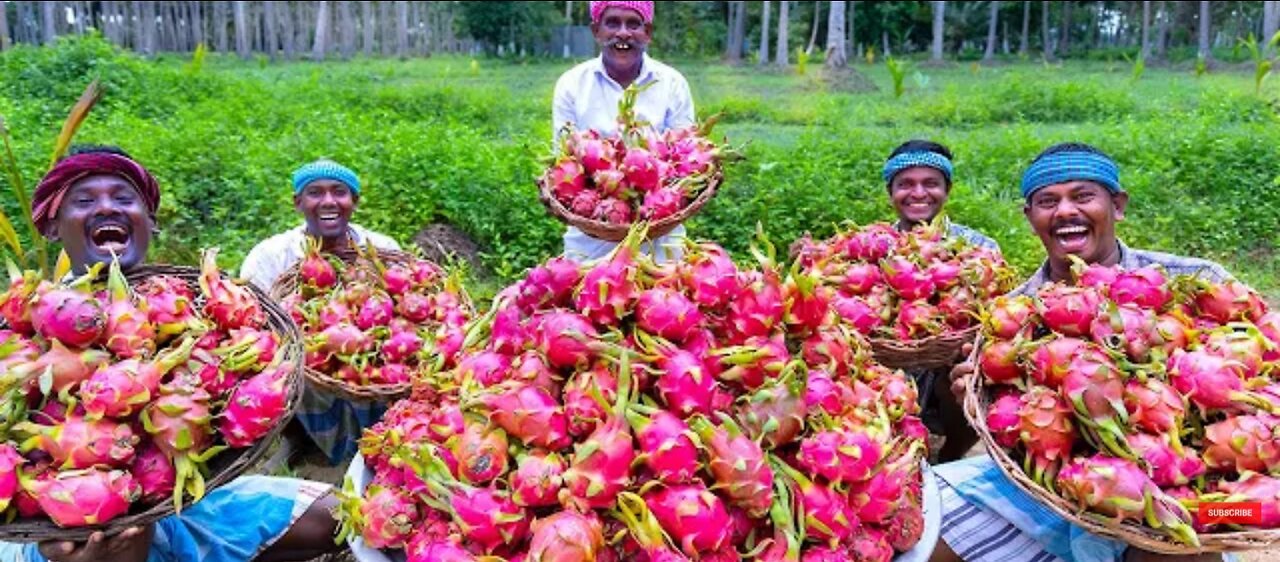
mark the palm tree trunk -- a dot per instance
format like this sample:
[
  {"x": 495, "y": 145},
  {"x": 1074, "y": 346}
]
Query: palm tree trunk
[
  {"x": 48, "y": 22},
  {"x": 321, "y": 45},
  {"x": 1065, "y": 43},
  {"x": 764, "y": 34},
  {"x": 366, "y": 28},
  {"x": 1270, "y": 22},
  {"x": 1046, "y": 29},
  {"x": 1026, "y": 28},
  {"x": 4, "y": 28},
  {"x": 1204, "y": 52},
  {"x": 781, "y": 56},
  {"x": 939, "y": 29},
  {"x": 240, "y": 13},
  {"x": 813, "y": 33},
  {"x": 992, "y": 24},
  {"x": 837, "y": 54}
]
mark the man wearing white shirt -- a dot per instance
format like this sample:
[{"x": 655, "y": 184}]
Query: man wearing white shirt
[
  {"x": 587, "y": 96},
  {"x": 326, "y": 194}
]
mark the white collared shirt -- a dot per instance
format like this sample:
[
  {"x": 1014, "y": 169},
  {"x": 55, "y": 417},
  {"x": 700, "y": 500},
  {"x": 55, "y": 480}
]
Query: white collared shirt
[
  {"x": 275, "y": 255},
  {"x": 587, "y": 98}
]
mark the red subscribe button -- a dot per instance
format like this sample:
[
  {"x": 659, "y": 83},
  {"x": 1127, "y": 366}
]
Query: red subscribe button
[{"x": 1238, "y": 513}]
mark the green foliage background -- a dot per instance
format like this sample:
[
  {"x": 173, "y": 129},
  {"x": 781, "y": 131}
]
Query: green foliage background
[{"x": 452, "y": 139}]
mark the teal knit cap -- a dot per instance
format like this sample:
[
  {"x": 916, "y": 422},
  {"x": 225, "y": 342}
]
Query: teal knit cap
[{"x": 325, "y": 170}]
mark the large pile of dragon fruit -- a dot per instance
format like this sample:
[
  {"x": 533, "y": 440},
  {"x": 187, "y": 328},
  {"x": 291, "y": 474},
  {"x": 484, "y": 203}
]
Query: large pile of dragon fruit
[
  {"x": 1136, "y": 396},
  {"x": 640, "y": 174},
  {"x": 904, "y": 285},
  {"x": 114, "y": 399},
  {"x": 370, "y": 323},
  {"x": 628, "y": 411}
]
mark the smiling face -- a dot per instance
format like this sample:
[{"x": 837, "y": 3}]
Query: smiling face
[
  {"x": 101, "y": 215},
  {"x": 327, "y": 206},
  {"x": 918, "y": 194},
  {"x": 622, "y": 35},
  {"x": 1077, "y": 218}
]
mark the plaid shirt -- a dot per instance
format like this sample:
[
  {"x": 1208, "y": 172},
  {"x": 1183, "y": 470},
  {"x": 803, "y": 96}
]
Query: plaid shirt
[
  {"x": 956, "y": 230},
  {"x": 1134, "y": 259}
]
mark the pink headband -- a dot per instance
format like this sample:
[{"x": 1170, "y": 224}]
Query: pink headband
[{"x": 644, "y": 8}]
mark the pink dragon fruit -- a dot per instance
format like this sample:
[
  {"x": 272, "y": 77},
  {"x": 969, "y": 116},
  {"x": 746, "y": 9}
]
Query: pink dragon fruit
[
  {"x": 878, "y": 498},
  {"x": 843, "y": 455},
  {"x": 69, "y": 315},
  {"x": 481, "y": 452},
  {"x": 1213, "y": 382},
  {"x": 1154, "y": 406},
  {"x": 401, "y": 347},
  {"x": 77, "y": 498},
  {"x": 667, "y": 445},
  {"x": 958, "y": 307},
  {"x": 870, "y": 545},
  {"x": 1126, "y": 328},
  {"x": 537, "y": 479},
  {"x": 584, "y": 203},
  {"x": 563, "y": 338},
  {"x": 711, "y": 276},
  {"x": 1118, "y": 488},
  {"x": 918, "y": 319},
  {"x": 78, "y": 443},
  {"x": 872, "y": 243},
  {"x": 377, "y": 310},
  {"x": 566, "y": 179},
  {"x": 341, "y": 339},
  {"x": 486, "y": 518},
  {"x": 127, "y": 332},
  {"x": 601, "y": 465},
  {"x": 999, "y": 362},
  {"x": 1229, "y": 302},
  {"x": 120, "y": 389},
  {"x": 774, "y": 414},
  {"x": 388, "y": 517},
  {"x": 15, "y": 301},
  {"x": 831, "y": 349},
  {"x": 1245, "y": 346},
  {"x": 1068, "y": 310},
  {"x": 806, "y": 302},
  {"x": 1004, "y": 420},
  {"x": 1007, "y": 316},
  {"x": 906, "y": 527},
  {"x": 530, "y": 414},
  {"x": 315, "y": 271},
  {"x": 1269, "y": 326},
  {"x": 858, "y": 278},
  {"x": 646, "y": 530},
  {"x": 612, "y": 211},
  {"x": 65, "y": 367},
  {"x": 695, "y": 517},
  {"x": 179, "y": 422},
  {"x": 584, "y": 411},
  {"x": 1243, "y": 443},
  {"x": 488, "y": 368},
  {"x": 667, "y": 313},
  {"x": 1048, "y": 361},
  {"x": 1046, "y": 430},
  {"x": 641, "y": 169},
  {"x": 595, "y": 153},
  {"x": 909, "y": 280},
  {"x": 858, "y": 314},
  {"x": 609, "y": 289},
  {"x": 1260, "y": 488},
  {"x": 154, "y": 473},
  {"x": 1171, "y": 465},
  {"x": 758, "y": 306},
  {"x": 566, "y": 536},
  {"x": 1095, "y": 386},
  {"x": 684, "y": 383},
  {"x": 756, "y": 361},
  {"x": 1095, "y": 276},
  {"x": 548, "y": 285},
  {"x": 256, "y": 406},
  {"x": 737, "y": 464},
  {"x": 229, "y": 305},
  {"x": 828, "y": 517},
  {"x": 1144, "y": 287},
  {"x": 10, "y": 463}
]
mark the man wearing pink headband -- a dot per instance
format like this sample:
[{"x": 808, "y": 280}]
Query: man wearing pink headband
[{"x": 586, "y": 97}]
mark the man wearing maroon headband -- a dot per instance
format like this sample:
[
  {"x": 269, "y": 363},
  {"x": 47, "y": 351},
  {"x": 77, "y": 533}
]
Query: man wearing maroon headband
[
  {"x": 586, "y": 97},
  {"x": 98, "y": 202}
]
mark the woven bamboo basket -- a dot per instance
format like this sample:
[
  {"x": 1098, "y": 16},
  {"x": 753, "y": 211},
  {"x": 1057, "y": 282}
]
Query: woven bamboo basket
[
  {"x": 223, "y": 467},
  {"x": 934, "y": 352},
  {"x": 616, "y": 232},
  {"x": 287, "y": 284},
  {"x": 976, "y": 403}
]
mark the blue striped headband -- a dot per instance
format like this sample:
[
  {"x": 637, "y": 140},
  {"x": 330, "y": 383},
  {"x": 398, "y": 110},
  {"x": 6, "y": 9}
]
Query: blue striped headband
[
  {"x": 912, "y": 159},
  {"x": 1061, "y": 167},
  {"x": 325, "y": 170}
]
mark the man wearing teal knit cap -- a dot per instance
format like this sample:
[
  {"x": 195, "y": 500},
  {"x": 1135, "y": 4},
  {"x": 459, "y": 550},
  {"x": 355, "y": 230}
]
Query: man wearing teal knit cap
[{"x": 325, "y": 193}]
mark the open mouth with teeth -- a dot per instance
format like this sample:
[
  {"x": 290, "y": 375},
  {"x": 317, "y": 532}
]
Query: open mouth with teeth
[
  {"x": 329, "y": 218},
  {"x": 1073, "y": 238},
  {"x": 110, "y": 237},
  {"x": 622, "y": 47}
]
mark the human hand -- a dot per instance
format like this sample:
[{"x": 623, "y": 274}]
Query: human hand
[
  {"x": 131, "y": 545},
  {"x": 960, "y": 374}
]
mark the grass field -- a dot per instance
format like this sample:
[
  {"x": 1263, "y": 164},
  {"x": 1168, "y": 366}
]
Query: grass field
[{"x": 458, "y": 140}]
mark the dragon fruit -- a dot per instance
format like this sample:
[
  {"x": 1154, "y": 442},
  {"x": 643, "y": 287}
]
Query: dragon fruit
[
  {"x": 1269, "y": 326},
  {"x": 1243, "y": 443},
  {"x": 564, "y": 537},
  {"x": 1260, "y": 488},
  {"x": 1171, "y": 465},
  {"x": 179, "y": 422},
  {"x": 711, "y": 276},
  {"x": 737, "y": 464},
  {"x": 154, "y": 473},
  {"x": 878, "y": 498},
  {"x": 550, "y": 284},
  {"x": 69, "y": 315},
  {"x": 584, "y": 411},
  {"x": 828, "y": 517},
  {"x": 906, "y": 527},
  {"x": 1213, "y": 382},
  {"x": 1229, "y": 302},
  {"x": 859, "y": 314},
  {"x": 377, "y": 310},
  {"x": 843, "y": 455},
  {"x": 1069, "y": 311},
  {"x": 667, "y": 313},
  {"x": 918, "y": 319},
  {"x": 873, "y": 243},
  {"x": 609, "y": 289},
  {"x": 774, "y": 413},
  {"x": 10, "y": 463},
  {"x": 530, "y": 414},
  {"x": 1046, "y": 431},
  {"x": 229, "y": 305},
  {"x": 14, "y": 301},
  {"x": 127, "y": 332},
  {"x": 255, "y": 406},
  {"x": 487, "y": 368},
  {"x": 401, "y": 347},
  {"x": 563, "y": 338},
  {"x": 120, "y": 389},
  {"x": 667, "y": 445},
  {"x": 566, "y": 179},
  {"x": 695, "y": 517},
  {"x": 341, "y": 339},
  {"x": 1118, "y": 488},
  {"x": 1004, "y": 420},
  {"x": 481, "y": 452},
  {"x": 870, "y": 545},
  {"x": 537, "y": 479},
  {"x": 1048, "y": 362},
  {"x": 1154, "y": 406},
  {"x": 858, "y": 278},
  {"x": 65, "y": 367},
  {"x": 1145, "y": 287},
  {"x": 78, "y": 443},
  {"x": 1095, "y": 386},
  {"x": 1006, "y": 316},
  {"x": 646, "y": 530},
  {"x": 909, "y": 280},
  {"x": 612, "y": 211},
  {"x": 1126, "y": 328},
  {"x": 806, "y": 302},
  {"x": 684, "y": 383},
  {"x": 484, "y": 516},
  {"x": 388, "y": 517},
  {"x": 315, "y": 271},
  {"x": 1245, "y": 346},
  {"x": 758, "y": 306},
  {"x": 77, "y": 498},
  {"x": 832, "y": 349},
  {"x": 601, "y": 465},
  {"x": 756, "y": 361},
  {"x": 999, "y": 362}
]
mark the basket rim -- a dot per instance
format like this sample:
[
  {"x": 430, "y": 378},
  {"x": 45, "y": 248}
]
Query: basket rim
[
  {"x": 942, "y": 350},
  {"x": 357, "y": 393},
  {"x": 237, "y": 460},
  {"x": 617, "y": 232},
  {"x": 975, "y": 407}
]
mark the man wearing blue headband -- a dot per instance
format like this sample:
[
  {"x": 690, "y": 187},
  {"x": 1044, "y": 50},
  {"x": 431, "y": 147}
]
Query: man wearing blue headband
[
  {"x": 918, "y": 177},
  {"x": 1073, "y": 200},
  {"x": 326, "y": 194}
]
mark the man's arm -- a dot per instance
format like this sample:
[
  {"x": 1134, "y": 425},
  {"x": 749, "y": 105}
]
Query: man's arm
[
  {"x": 562, "y": 108},
  {"x": 682, "y": 113}
]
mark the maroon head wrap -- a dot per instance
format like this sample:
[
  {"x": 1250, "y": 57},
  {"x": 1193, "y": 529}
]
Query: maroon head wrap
[
  {"x": 644, "y": 8},
  {"x": 68, "y": 171}
]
